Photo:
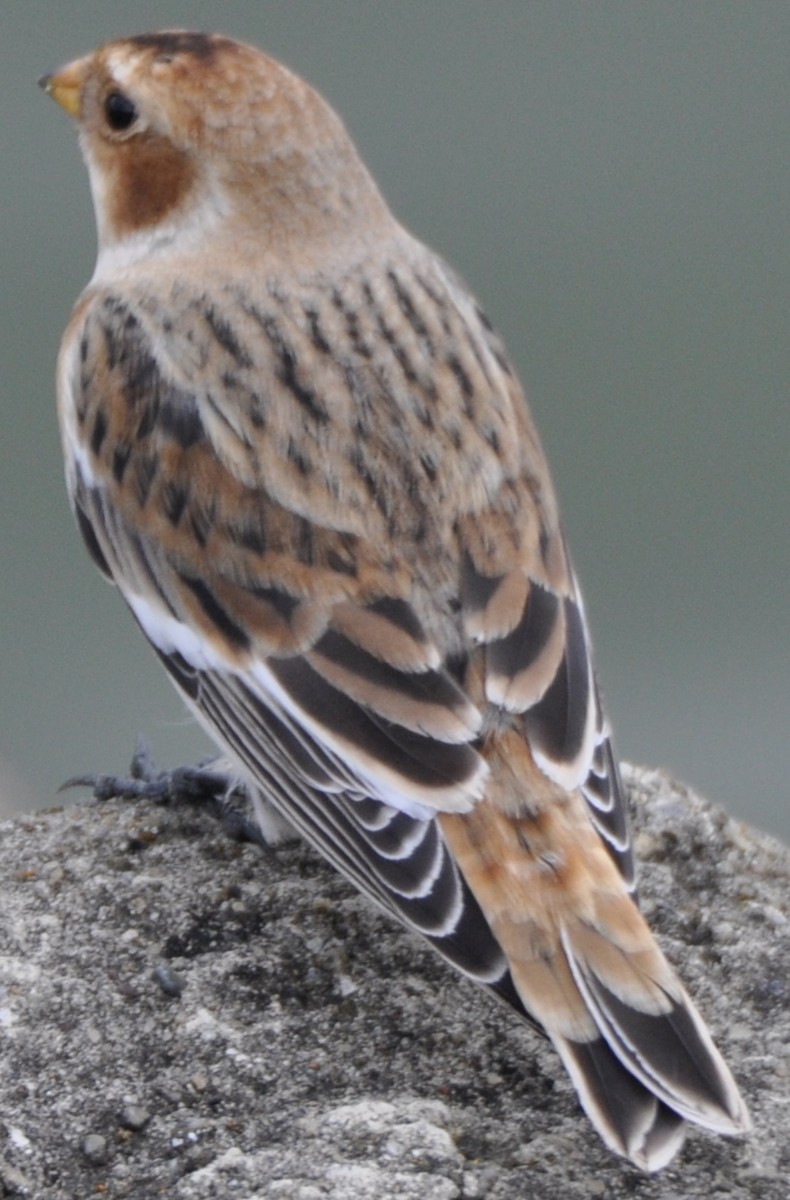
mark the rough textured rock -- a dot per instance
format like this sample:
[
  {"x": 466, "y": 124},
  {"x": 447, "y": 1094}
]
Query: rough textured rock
[{"x": 183, "y": 1016}]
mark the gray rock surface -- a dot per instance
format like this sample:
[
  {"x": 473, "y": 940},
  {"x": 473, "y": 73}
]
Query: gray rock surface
[{"x": 183, "y": 1016}]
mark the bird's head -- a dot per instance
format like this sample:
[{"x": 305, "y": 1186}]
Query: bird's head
[{"x": 180, "y": 130}]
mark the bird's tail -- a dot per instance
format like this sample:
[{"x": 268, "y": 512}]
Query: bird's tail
[
  {"x": 587, "y": 967},
  {"x": 647, "y": 1064}
]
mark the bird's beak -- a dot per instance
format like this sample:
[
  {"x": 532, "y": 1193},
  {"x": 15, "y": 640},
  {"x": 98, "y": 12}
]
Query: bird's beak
[{"x": 65, "y": 86}]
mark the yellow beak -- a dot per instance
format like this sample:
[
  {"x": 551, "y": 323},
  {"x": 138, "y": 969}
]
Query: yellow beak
[{"x": 65, "y": 86}]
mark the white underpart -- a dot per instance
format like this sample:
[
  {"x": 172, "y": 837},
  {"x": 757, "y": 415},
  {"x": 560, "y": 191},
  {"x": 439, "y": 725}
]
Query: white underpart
[
  {"x": 274, "y": 827},
  {"x": 187, "y": 232},
  {"x": 170, "y": 635}
]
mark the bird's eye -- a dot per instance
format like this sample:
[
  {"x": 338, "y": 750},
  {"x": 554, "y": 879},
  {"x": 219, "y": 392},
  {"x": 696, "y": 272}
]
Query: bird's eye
[{"x": 120, "y": 112}]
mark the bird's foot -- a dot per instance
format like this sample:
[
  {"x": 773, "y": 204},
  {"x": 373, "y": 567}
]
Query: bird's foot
[{"x": 208, "y": 782}]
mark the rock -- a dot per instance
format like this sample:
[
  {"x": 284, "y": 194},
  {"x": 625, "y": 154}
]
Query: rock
[
  {"x": 313, "y": 1050},
  {"x": 94, "y": 1147}
]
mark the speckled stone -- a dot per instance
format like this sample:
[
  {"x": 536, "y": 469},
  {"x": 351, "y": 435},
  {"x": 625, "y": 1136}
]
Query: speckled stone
[{"x": 315, "y": 1051}]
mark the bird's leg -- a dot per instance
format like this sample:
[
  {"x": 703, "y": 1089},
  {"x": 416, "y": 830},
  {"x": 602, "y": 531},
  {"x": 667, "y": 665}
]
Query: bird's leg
[{"x": 209, "y": 782}]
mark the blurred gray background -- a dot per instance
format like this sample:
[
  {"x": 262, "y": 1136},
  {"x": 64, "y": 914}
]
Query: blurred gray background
[{"x": 612, "y": 179}]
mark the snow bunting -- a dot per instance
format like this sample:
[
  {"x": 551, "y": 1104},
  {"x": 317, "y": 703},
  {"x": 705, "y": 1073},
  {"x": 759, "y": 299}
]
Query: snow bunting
[{"x": 298, "y": 447}]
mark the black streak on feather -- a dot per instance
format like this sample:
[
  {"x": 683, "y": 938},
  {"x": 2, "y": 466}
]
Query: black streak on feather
[
  {"x": 286, "y": 367},
  {"x": 399, "y": 351},
  {"x": 492, "y": 438},
  {"x": 305, "y": 543},
  {"x": 218, "y": 411},
  {"x": 174, "y": 501},
  {"x": 422, "y": 760},
  {"x": 299, "y": 459},
  {"x": 256, "y": 411},
  {"x": 302, "y": 751},
  {"x": 141, "y": 379},
  {"x": 557, "y": 722},
  {"x": 147, "y": 467},
  {"x": 91, "y": 541},
  {"x": 119, "y": 322},
  {"x": 408, "y": 878},
  {"x": 200, "y": 522},
  {"x": 120, "y": 461},
  {"x": 615, "y": 1091},
  {"x": 437, "y": 298},
  {"x": 357, "y": 460},
  {"x": 342, "y": 564},
  {"x": 426, "y": 687},
  {"x": 182, "y": 673},
  {"x": 519, "y": 649},
  {"x": 428, "y": 464},
  {"x": 462, "y": 378},
  {"x": 316, "y": 333},
  {"x": 494, "y": 343},
  {"x": 400, "y": 614},
  {"x": 147, "y": 420},
  {"x": 179, "y": 418},
  {"x": 668, "y": 1043},
  {"x": 409, "y": 310},
  {"x": 393, "y": 832},
  {"x": 484, "y": 320},
  {"x": 283, "y": 603},
  {"x": 599, "y": 791},
  {"x": 250, "y": 536},
  {"x": 224, "y": 333},
  {"x": 99, "y": 431},
  {"x": 225, "y": 624},
  {"x": 351, "y": 318},
  {"x": 476, "y": 589}
]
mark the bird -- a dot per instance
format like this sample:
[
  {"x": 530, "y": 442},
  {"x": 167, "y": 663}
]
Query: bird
[{"x": 299, "y": 448}]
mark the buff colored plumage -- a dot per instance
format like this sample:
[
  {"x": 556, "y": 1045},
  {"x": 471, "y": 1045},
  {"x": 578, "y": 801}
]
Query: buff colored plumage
[{"x": 297, "y": 446}]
